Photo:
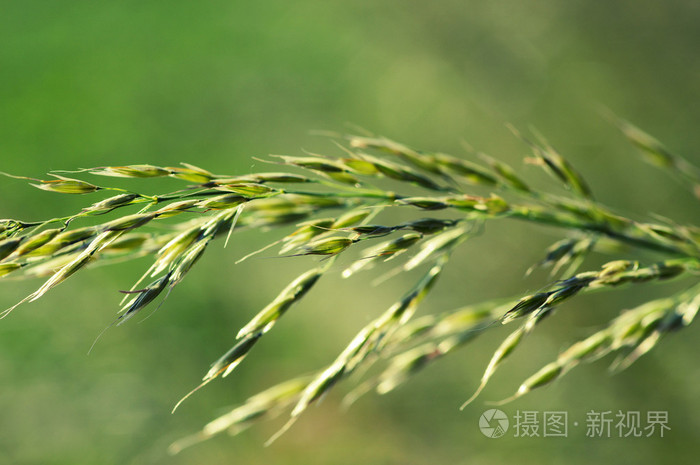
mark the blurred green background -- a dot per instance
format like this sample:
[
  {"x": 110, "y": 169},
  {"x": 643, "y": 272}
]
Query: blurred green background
[{"x": 214, "y": 83}]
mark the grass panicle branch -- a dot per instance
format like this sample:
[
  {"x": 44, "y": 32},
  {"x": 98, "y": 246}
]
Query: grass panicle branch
[{"x": 334, "y": 204}]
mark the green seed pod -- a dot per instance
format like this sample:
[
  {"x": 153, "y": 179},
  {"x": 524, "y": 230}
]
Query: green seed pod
[
  {"x": 345, "y": 178},
  {"x": 428, "y": 225},
  {"x": 420, "y": 160},
  {"x": 467, "y": 203},
  {"x": 190, "y": 173},
  {"x": 259, "y": 404},
  {"x": 424, "y": 203},
  {"x": 546, "y": 375},
  {"x": 263, "y": 321},
  {"x": 399, "y": 244},
  {"x": 8, "y": 246},
  {"x": 471, "y": 172},
  {"x": 306, "y": 231},
  {"x": 277, "y": 218},
  {"x": 329, "y": 246},
  {"x": 37, "y": 241},
  {"x": 76, "y": 235},
  {"x": 358, "y": 166},
  {"x": 655, "y": 151},
  {"x": 525, "y": 306},
  {"x": 372, "y": 230},
  {"x": 248, "y": 190},
  {"x": 330, "y": 168},
  {"x": 508, "y": 174},
  {"x": 230, "y": 360},
  {"x": 127, "y": 243},
  {"x": 386, "y": 250},
  {"x": 221, "y": 202},
  {"x": 589, "y": 347},
  {"x": 112, "y": 203},
  {"x": 441, "y": 242},
  {"x": 145, "y": 297},
  {"x": 132, "y": 171},
  {"x": 167, "y": 254},
  {"x": 7, "y": 225},
  {"x": 185, "y": 264},
  {"x": 492, "y": 205},
  {"x": 7, "y": 268},
  {"x": 351, "y": 218},
  {"x": 669, "y": 270},
  {"x": 558, "y": 250},
  {"x": 617, "y": 266},
  {"x": 405, "y": 365},
  {"x": 504, "y": 350},
  {"x": 67, "y": 186},
  {"x": 259, "y": 178},
  {"x": 314, "y": 163},
  {"x": 176, "y": 208},
  {"x": 128, "y": 222},
  {"x": 282, "y": 178},
  {"x": 562, "y": 294}
]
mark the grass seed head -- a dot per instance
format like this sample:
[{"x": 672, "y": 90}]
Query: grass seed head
[
  {"x": 352, "y": 218},
  {"x": 131, "y": 171},
  {"x": 424, "y": 203},
  {"x": 144, "y": 297},
  {"x": 67, "y": 186},
  {"x": 525, "y": 306},
  {"x": 9, "y": 267},
  {"x": 36, "y": 241},
  {"x": 7, "y": 246},
  {"x": 466, "y": 170},
  {"x": 222, "y": 202},
  {"x": 327, "y": 246},
  {"x": 111, "y": 203},
  {"x": 263, "y": 321},
  {"x": 190, "y": 173},
  {"x": 129, "y": 222},
  {"x": 248, "y": 190}
]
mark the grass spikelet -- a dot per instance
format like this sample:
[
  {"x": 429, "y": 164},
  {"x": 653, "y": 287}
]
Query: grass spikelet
[
  {"x": 222, "y": 202},
  {"x": 327, "y": 246},
  {"x": 68, "y": 269},
  {"x": 67, "y": 186},
  {"x": 507, "y": 174},
  {"x": 267, "y": 317},
  {"x": 225, "y": 364},
  {"x": 111, "y": 203},
  {"x": 329, "y": 168},
  {"x": 129, "y": 222},
  {"x": 386, "y": 251},
  {"x": 546, "y": 375},
  {"x": 437, "y": 244},
  {"x": 401, "y": 173},
  {"x": 417, "y": 159},
  {"x": 9, "y": 267},
  {"x": 558, "y": 166},
  {"x": 525, "y": 306},
  {"x": 504, "y": 350},
  {"x": 131, "y": 171},
  {"x": 190, "y": 173},
  {"x": 466, "y": 170},
  {"x": 8, "y": 246},
  {"x": 306, "y": 232},
  {"x": 145, "y": 296}
]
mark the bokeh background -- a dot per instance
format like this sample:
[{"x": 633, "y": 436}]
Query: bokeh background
[{"x": 215, "y": 83}]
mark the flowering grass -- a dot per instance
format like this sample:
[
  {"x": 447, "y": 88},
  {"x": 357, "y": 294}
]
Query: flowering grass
[{"x": 336, "y": 204}]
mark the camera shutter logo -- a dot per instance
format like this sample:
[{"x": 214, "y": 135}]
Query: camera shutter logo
[{"x": 493, "y": 423}]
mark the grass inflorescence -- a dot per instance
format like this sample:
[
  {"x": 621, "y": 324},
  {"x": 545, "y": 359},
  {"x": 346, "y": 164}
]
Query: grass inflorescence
[{"x": 333, "y": 203}]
